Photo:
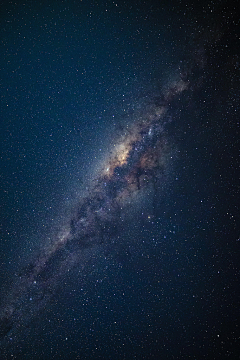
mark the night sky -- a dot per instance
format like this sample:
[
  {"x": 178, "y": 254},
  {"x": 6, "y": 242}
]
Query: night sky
[{"x": 120, "y": 219}]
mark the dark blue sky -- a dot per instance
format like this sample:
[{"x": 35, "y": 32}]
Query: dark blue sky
[{"x": 74, "y": 76}]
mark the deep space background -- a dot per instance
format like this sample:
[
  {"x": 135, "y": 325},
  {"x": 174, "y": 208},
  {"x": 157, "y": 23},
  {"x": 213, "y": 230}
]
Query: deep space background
[{"x": 74, "y": 74}]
